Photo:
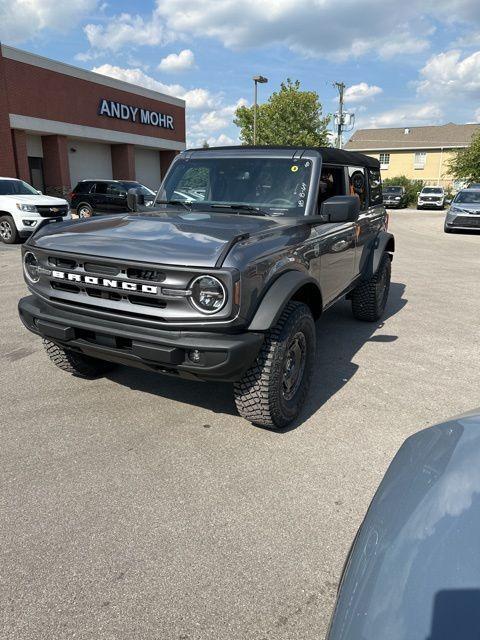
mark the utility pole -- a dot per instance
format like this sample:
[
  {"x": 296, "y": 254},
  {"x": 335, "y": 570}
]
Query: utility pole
[
  {"x": 341, "y": 88},
  {"x": 256, "y": 80}
]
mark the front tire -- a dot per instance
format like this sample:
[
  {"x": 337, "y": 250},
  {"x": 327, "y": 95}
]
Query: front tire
[
  {"x": 8, "y": 230},
  {"x": 369, "y": 298},
  {"x": 273, "y": 391},
  {"x": 76, "y": 363}
]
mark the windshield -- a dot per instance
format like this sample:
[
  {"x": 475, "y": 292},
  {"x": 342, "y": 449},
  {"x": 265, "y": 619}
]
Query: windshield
[
  {"x": 277, "y": 186},
  {"x": 392, "y": 189},
  {"x": 142, "y": 189},
  {"x": 468, "y": 197},
  {"x": 16, "y": 188},
  {"x": 432, "y": 190}
]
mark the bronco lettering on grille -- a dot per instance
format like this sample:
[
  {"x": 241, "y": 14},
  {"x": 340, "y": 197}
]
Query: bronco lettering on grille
[{"x": 105, "y": 282}]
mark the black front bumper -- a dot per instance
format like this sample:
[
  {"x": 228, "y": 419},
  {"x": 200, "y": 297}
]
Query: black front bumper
[{"x": 222, "y": 356}]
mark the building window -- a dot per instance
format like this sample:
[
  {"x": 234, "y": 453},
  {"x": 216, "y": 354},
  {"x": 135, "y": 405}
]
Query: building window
[
  {"x": 419, "y": 160},
  {"x": 384, "y": 160}
]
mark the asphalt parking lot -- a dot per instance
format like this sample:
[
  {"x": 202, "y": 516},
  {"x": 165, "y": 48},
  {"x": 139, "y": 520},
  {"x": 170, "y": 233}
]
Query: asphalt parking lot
[{"x": 139, "y": 506}]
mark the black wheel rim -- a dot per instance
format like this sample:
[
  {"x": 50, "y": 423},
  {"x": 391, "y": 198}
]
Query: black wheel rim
[
  {"x": 5, "y": 230},
  {"x": 294, "y": 365}
]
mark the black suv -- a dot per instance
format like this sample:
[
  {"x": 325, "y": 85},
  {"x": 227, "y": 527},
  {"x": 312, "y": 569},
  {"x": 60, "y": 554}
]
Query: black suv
[
  {"x": 223, "y": 285},
  {"x": 105, "y": 196},
  {"x": 395, "y": 197}
]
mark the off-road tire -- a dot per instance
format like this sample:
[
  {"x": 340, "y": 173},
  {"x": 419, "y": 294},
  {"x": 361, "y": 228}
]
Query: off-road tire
[
  {"x": 76, "y": 363},
  {"x": 7, "y": 223},
  {"x": 260, "y": 395},
  {"x": 84, "y": 210},
  {"x": 370, "y": 296}
]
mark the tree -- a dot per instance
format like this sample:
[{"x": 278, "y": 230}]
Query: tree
[
  {"x": 205, "y": 144},
  {"x": 465, "y": 164},
  {"x": 289, "y": 117}
]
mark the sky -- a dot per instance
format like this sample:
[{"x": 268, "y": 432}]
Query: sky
[{"x": 405, "y": 63}]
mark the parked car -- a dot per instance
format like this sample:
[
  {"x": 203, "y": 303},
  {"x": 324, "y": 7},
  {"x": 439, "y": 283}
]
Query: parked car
[
  {"x": 431, "y": 198},
  {"x": 223, "y": 288},
  {"x": 413, "y": 572},
  {"x": 22, "y": 209},
  {"x": 464, "y": 211},
  {"x": 394, "y": 197},
  {"x": 105, "y": 196}
]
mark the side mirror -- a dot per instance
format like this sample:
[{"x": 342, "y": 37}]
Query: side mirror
[
  {"x": 448, "y": 201},
  {"x": 340, "y": 209},
  {"x": 135, "y": 199},
  {"x": 39, "y": 192}
]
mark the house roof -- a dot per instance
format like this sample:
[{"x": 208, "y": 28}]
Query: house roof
[{"x": 432, "y": 137}]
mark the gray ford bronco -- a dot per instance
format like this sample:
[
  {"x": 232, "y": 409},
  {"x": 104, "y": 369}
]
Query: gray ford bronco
[{"x": 223, "y": 278}]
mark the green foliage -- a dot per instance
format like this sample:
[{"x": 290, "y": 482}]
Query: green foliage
[
  {"x": 412, "y": 187},
  {"x": 289, "y": 117},
  {"x": 465, "y": 164}
]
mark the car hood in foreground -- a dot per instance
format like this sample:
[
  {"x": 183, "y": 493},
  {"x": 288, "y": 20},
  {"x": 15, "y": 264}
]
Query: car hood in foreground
[
  {"x": 414, "y": 569},
  {"x": 194, "y": 239}
]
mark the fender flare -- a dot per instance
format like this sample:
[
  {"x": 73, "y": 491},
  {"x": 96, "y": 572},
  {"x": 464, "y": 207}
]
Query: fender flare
[
  {"x": 276, "y": 298},
  {"x": 384, "y": 242}
]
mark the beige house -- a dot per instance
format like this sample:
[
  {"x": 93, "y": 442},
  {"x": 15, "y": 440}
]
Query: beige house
[{"x": 420, "y": 153}]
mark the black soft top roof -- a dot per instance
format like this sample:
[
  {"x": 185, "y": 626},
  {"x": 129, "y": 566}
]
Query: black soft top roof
[{"x": 329, "y": 155}]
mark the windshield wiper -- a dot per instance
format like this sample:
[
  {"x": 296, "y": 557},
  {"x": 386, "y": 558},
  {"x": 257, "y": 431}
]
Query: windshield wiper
[
  {"x": 184, "y": 204},
  {"x": 240, "y": 207}
]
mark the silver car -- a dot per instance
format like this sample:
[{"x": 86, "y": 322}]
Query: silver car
[{"x": 464, "y": 212}]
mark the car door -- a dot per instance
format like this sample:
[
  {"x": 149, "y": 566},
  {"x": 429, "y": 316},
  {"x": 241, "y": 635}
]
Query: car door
[
  {"x": 117, "y": 197},
  {"x": 372, "y": 212},
  {"x": 99, "y": 198},
  {"x": 336, "y": 243}
]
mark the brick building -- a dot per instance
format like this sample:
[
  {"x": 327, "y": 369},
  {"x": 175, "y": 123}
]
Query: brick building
[{"x": 60, "y": 124}]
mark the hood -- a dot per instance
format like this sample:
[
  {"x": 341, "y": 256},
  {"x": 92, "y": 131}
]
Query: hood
[
  {"x": 469, "y": 207},
  {"x": 37, "y": 200},
  {"x": 194, "y": 239},
  {"x": 415, "y": 563}
]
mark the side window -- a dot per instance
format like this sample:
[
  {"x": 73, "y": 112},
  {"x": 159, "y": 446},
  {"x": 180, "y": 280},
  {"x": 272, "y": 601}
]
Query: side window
[
  {"x": 332, "y": 183},
  {"x": 101, "y": 187},
  {"x": 193, "y": 185},
  {"x": 114, "y": 189},
  {"x": 357, "y": 185},
  {"x": 375, "y": 186}
]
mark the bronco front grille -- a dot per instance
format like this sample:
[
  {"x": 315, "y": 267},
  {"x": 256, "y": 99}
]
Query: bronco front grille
[{"x": 128, "y": 289}]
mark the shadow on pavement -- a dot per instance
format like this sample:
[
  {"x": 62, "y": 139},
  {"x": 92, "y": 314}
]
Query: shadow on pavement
[{"x": 339, "y": 337}]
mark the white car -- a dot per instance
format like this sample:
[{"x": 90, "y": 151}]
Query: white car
[
  {"x": 22, "y": 208},
  {"x": 431, "y": 198}
]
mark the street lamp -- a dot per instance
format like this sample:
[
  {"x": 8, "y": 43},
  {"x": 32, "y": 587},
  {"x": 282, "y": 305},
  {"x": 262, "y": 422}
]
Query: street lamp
[{"x": 256, "y": 80}]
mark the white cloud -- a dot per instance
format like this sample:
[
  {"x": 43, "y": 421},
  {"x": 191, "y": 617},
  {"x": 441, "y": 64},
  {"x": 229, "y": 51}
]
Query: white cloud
[
  {"x": 477, "y": 116},
  {"x": 312, "y": 28},
  {"x": 447, "y": 74},
  {"x": 195, "y": 98},
  {"x": 216, "y": 119},
  {"x": 361, "y": 92},
  {"x": 21, "y": 20},
  {"x": 126, "y": 30},
  {"x": 409, "y": 115},
  {"x": 177, "y": 61}
]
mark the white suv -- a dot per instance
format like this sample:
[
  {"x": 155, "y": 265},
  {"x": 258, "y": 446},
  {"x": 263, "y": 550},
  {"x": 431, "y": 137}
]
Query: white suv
[
  {"x": 431, "y": 198},
  {"x": 22, "y": 208}
]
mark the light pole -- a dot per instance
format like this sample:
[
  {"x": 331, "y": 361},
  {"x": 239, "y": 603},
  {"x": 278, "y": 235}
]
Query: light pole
[{"x": 256, "y": 80}]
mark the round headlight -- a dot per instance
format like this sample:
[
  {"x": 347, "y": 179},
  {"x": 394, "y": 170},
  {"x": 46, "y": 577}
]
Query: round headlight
[
  {"x": 208, "y": 294},
  {"x": 30, "y": 267}
]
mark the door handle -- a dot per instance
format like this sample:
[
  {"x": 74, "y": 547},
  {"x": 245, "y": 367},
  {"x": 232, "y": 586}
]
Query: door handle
[{"x": 340, "y": 245}]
